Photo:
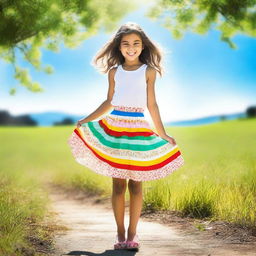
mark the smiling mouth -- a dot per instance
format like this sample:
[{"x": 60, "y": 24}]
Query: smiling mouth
[{"x": 131, "y": 54}]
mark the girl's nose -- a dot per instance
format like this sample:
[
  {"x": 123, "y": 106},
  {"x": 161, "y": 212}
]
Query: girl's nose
[{"x": 130, "y": 49}]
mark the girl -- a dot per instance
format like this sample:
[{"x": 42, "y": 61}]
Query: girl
[{"x": 121, "y": 144}]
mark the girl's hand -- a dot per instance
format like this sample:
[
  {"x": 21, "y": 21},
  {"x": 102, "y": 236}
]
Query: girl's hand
[
  {"x": 169, "y": 138},
  {"x": 79, "y": 123}
]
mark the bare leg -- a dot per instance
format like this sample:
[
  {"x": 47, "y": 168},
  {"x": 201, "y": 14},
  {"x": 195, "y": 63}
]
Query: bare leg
[
  {"x": 136, "y": 197},
  {"x": 118, "y": 205}
]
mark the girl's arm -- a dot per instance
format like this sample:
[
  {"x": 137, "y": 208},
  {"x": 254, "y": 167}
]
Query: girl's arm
[
  {"x": 153, "y": 107},
  {"x": 106, "y": 105}
]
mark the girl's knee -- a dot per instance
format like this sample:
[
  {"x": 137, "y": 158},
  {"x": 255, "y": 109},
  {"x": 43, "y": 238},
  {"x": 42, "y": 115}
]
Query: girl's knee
[
  {"x": 119, "y": 186},
  {"x": 135, "y": 187}
]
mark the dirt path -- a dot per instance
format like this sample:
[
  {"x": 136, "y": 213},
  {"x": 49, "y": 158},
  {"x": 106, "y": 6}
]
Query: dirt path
[{"x": 91, "y": 231}]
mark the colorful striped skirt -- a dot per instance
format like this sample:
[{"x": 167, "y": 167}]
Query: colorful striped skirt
[{"x": 122, "y": 145}]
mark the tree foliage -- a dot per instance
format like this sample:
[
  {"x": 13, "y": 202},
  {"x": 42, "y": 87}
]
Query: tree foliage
[
  {"x": 251, "y": 111},
  {"x": 27, "y": 26},
  {"x": 21, "y": 120},
  {"x": 230, "y": 17}
]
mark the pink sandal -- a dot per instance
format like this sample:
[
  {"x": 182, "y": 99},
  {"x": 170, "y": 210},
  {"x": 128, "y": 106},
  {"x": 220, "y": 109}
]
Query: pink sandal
[
  {"x": 119, "y": 245},
  {"x": 133, "y": 244}
]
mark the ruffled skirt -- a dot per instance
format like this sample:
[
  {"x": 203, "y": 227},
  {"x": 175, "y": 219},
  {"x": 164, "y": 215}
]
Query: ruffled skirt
[{"x": 122, "y": 145}]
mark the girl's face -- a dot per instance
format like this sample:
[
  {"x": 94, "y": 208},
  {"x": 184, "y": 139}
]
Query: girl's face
[{"x": 131, "y": 46}]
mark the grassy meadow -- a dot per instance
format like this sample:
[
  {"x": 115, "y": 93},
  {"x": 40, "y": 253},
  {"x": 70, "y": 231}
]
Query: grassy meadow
[{"x": 218, "y": 179}]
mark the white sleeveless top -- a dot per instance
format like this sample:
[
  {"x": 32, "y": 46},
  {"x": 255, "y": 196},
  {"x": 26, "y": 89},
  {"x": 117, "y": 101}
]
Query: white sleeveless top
[{"x": 130, "y": 87}]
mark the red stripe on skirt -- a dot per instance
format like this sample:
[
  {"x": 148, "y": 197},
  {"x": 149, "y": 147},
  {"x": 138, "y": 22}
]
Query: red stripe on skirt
[{"x": 118, "y": 134}]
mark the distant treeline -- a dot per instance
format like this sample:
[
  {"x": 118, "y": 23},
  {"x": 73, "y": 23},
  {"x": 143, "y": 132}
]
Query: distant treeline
[
  {"x": 251, "y": 111},
  {"x": 21, "y": 120},
  {"x": 65, "y": 121},
  {"x": 26, "y": 120}
]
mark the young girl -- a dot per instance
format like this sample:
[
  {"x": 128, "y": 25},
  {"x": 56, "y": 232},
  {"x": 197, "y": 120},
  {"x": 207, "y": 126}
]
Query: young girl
[{"x": 121, "y": 144}]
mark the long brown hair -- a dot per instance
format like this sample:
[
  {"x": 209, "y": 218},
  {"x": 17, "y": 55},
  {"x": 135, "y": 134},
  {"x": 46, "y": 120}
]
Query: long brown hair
[{"x": 110, "y": 55}]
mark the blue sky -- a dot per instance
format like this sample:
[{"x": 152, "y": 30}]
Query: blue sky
[{"x": 203, "y": 76}]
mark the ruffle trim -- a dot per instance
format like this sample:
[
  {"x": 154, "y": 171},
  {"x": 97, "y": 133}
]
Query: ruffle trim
[{"x": 85, "y": 157}]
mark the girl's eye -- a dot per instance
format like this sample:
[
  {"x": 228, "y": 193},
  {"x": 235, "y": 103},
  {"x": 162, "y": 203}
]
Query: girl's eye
[{"x": 127, "y": 44}]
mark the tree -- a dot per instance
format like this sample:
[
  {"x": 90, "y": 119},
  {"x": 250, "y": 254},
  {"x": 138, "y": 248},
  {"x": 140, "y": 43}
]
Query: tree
[
  {"x": 251, "y": 111},
  {"x": 28, "y": 26},
  {"x": 223, "y": 118},
  {"x": 65, "y": 121},
  {"x": 230, "y": 17},
  {"x": 21, "y": 120}
]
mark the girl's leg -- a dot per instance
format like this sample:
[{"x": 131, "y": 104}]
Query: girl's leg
[
  {"x": 135, "y": 190},
  {"x": 118, "y": 205}
]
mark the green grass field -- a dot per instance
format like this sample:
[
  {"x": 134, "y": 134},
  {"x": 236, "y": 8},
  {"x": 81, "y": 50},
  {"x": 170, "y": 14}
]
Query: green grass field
[{"x": 218, "y": 179}]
